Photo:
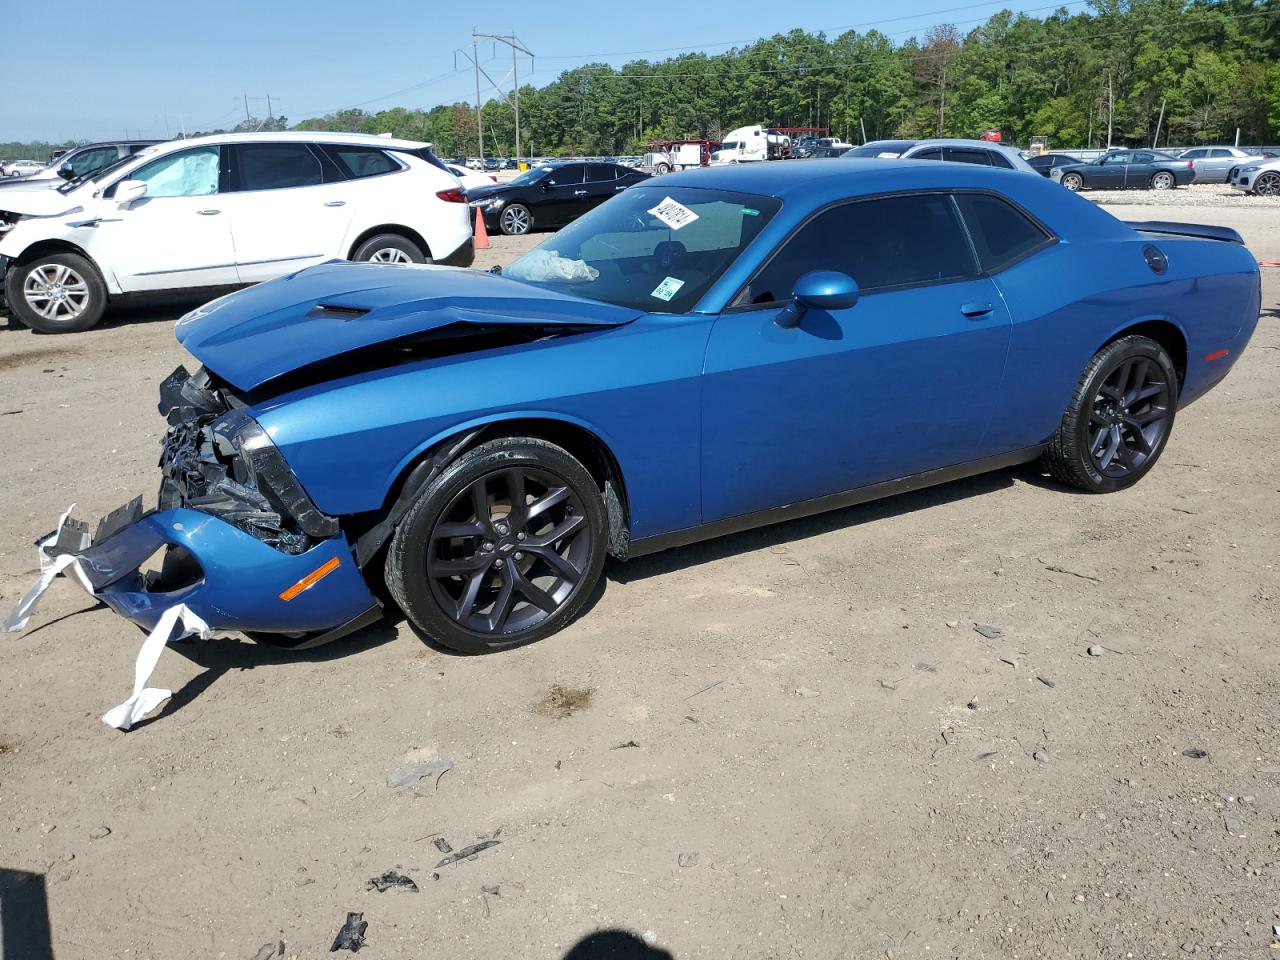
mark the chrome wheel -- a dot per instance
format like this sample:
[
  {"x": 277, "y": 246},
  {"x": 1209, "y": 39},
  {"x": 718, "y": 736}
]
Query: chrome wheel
[
  {"x": 1073, "y": 182},
  {"x": 1267, "y": 185},
  {"x": 1129, "y": 417},
  {"x": 56, "y": 292},
  {"x": 1162, "y": 181},
  {"x": 508, "y": 551},
  {"x": 515, "y": 220},
  {"x": 390, "y": 255}
]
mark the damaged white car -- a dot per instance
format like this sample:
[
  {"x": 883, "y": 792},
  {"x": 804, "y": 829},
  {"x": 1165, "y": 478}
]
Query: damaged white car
[{"x": 224, "y": 211}]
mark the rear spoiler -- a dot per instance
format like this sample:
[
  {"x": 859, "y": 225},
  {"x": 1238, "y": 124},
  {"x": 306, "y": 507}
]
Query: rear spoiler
[{"x": 1199, "y": 230}]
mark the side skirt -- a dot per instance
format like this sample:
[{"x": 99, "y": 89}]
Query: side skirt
[{"x": 834, "y": 501}]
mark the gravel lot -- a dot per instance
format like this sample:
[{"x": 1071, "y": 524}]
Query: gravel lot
[
  {"x": 788, "y": 743},
  {"x": 1215, "y": 195}
]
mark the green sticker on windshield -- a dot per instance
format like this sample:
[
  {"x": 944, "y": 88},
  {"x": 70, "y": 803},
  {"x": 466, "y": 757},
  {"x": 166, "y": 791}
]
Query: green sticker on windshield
[
  {"x": 667, "y": 289},
  {"x": 748, "y": 212}
]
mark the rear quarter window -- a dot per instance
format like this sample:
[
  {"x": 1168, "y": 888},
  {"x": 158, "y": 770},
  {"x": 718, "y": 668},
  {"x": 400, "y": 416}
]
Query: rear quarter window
[
  {"x": 1002, "y": 234},
  {"x": 358, "y": 162}
]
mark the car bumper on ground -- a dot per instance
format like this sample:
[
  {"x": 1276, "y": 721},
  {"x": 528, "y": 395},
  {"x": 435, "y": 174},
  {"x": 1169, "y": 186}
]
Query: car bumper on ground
[{"x": 232, "y": 580}]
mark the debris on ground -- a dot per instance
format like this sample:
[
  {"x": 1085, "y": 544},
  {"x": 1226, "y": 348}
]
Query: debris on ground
[
  {"x": 466, "y": 853},
  {"x": 421, "y": 774},
  {"x": 687, "y": 859},
  {"x": 624, "y": 746},
  {"x": 1009, "y": 660},
  {"x": 493, "y": 891},
  {"x": 889, "y": 684},
  {"x": 269, "y": 950},
  {"x": 1047, "y": 682},
  {"x": 1232, "y": 826},
  {"x": 351, "y": 936},
  {"x": 99, "y": 833},
  {"x": 1096, "y": 650},
  {"x": 392, "y": 881},
  {"x": 1040, "y": 757},
  {"x": 988, "y": 631},
  {"x": 927, "y": 667},
  {"x": 985, "y": 756},
  {"x": 1195, "y": 753},
  {"x": 972, "y": 705},
  {"x": 561, "y": 702},
  {"x": 807, "y": 693},
  {"x": 442, "y": 845}
]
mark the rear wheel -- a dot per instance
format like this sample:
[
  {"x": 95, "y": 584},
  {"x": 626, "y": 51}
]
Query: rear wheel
[
  {"x": 57, "y": 293},
  {"x": 1072, "y": 181},
  {"x": 1267, "y": 185},
  {"x": 1119, "y": 418},
  {"x": 1162, "y": 180},
  {"x": 502, "y": 549},
  {"x": 660, "y": 168},
  {"x": 390, "y": 248}
]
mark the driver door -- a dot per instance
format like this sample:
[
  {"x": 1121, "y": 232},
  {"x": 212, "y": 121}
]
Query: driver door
[
  {"x": 564, "y": 196},
  {"x": 1112, "y": 170},
  {"x": 904, "y": 381}
]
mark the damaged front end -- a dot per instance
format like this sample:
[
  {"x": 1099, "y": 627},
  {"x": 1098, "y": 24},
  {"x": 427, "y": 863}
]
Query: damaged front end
[{"x": 239, "y": 541}]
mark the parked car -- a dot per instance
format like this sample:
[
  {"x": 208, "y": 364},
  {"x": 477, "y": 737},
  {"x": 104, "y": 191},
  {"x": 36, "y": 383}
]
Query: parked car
[
  {"x": 1261, "y": 176},
  {"x": 21, "y": 168},
  {"x": 469, "y": 179},
  {"x": 550, "y": 195},
  {"x": 1045, "y": 163},
  {"x": 1213, "y": 164},
  {"x": 82, "y": 161},
  {"x": 224, "y": 210},
  {"x": 827, "y": 153},
  {"x": 1126, "y": 170},
  {"x": 707, "y": 352},
  {"x": 980, "y": 152}
]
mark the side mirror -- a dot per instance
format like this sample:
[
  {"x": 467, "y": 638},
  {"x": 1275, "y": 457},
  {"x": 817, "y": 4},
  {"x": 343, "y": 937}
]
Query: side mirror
[
  {"x": 548, "y": 185},
  {"x": 821, "y": 290},
  {"x": 66, "y": 171},
  {"x": 128, "y": 191}
]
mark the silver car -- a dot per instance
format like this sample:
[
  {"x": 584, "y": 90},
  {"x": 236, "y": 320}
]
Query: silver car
[
  {"x": 1213, "y": 164},
  {"x": 1259, "y": 175},
  {"x": 983, "y": 152}
]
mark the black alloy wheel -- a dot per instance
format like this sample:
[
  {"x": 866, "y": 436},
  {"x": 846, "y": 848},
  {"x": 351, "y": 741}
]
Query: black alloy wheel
[
  {"x": 1119, "y": 419},
  {"x": 502, "y": 549},
  {"x": 1267, "y": 185}
]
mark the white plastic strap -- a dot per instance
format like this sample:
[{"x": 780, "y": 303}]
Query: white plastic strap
[{"x": 145, "y": 699}]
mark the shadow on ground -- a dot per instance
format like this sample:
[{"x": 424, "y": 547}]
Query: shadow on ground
[{"x": 24, "y": 917}]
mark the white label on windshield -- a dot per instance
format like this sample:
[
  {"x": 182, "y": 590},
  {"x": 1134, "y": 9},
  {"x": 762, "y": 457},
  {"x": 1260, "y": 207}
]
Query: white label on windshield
[
  {"x": 669, "y": 287},
  {"x": 674, "y": 214}
]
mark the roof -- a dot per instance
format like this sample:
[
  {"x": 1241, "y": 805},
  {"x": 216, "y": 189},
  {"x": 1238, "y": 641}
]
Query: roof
[{"x": 301, "y": 136}]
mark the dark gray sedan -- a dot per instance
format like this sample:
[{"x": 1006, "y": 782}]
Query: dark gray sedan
[{"x": 1126, "y": 170}]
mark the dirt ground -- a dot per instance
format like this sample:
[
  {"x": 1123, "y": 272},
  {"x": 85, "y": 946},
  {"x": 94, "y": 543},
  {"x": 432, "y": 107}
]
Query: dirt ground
[{"x": 788, "y": 743}]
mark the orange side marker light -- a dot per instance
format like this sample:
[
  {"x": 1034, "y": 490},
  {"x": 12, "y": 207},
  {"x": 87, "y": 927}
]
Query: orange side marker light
[{"x": 311, "y": 579}]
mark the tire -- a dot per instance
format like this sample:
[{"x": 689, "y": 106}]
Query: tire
[
  {"x": 455, "y": 573},
  {"x": 1163, "y": 180},
  {"x": 1119, "y": 419},
  {"x": 660, "y": 168},
  {"x": 1072, "y": 181},
  {"x": 1267, "y": 185},
  {"x": 390, "y": 248},
  {"x": 57, "y": 293},
  {"x": 515, "y": 220}
]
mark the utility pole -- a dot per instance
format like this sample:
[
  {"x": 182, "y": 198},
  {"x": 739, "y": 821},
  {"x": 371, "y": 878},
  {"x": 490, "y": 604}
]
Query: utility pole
[
  {"x": 270, "y": 116},
  {"x": 516, "y": 46},
  {"x": 1159, "y": 124},
  {"x": 246, "y": 109},
  {"x": 1111, "y": 109}
]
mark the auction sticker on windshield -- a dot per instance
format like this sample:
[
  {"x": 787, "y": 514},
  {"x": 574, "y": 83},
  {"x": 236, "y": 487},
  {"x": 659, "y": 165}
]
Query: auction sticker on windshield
[
  {"x": 674, "y": 214},
  {"x": 669, "y": 287}
]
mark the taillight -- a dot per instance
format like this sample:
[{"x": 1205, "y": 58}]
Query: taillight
[{"x": 452, "y": 196}]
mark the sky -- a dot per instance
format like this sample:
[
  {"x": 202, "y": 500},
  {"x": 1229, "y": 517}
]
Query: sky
[{"x": 152, "y": 68}]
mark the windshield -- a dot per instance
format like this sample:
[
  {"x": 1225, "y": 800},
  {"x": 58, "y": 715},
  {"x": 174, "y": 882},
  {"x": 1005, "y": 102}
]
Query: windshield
[
  {"x": 657, "y": 249},
  {"x": 881, "y": 148},
  {"x": 102, "y": 173},
  {"x": 532, "y": 175}
]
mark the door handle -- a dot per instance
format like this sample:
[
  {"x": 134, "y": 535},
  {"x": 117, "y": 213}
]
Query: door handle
[
  {"x": 208, "y": 213},
  {"x": 579, "y": 193},
  {"x": 336, "y": 203},
  {"x": 976, "y": 311}
]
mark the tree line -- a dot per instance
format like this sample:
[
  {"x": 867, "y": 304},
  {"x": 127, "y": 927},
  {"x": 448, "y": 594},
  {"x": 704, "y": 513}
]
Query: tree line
[{"x": 1199, "y": 71}]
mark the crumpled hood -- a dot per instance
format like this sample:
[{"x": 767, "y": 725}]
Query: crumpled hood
[
  {"x": 38, "y": 199},
  {"x": 255, "y": 335}
]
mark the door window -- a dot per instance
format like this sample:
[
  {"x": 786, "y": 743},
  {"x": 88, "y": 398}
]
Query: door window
[
  {"x": 601, "y": 173},
  {"x": 961, "y": 155},
  {"x": 567, "y": 176},
  {"x": 274, "y": 166},
  {"x": 933, "y": 153},
  {"x": 1116, "y": 158},
  {"x": 1194, "y": 154},
  {"x": 890, "y": 242},
  {"x": 1144, "y": 157},
  {"x": 91, "y": 160},
  {"x": 1218, "y": 154},
  {"x": 357, "y": 162},
  {"x": 1001, "y": 233},
  {"x": 191, "y": 173},
  {"x": 998, "y": 159}
]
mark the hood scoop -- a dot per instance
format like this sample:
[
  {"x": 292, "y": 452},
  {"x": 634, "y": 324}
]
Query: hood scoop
[{"x": 329, "y": 311}]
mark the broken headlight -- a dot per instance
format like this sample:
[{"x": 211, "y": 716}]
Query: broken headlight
[{"x": 8, "y": 221}]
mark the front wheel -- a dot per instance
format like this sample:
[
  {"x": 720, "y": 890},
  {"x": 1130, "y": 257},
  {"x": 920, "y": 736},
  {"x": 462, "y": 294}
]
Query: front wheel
[
  {"x": 515, "y": 220},
  {"x": 57, "y": 293},
  {"x": 1073, "y": 181},
  {"x": 1267, "y": 185},
  {"x": 502, "y": 549},
  {"x": 1119, "y": 418},
  {"x": 390, "y": 248},
  {"x": 1162, "y": 181}
]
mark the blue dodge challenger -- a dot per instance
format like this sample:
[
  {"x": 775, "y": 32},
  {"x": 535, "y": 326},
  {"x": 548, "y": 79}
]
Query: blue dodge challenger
[{"x": 711, "y": 351}]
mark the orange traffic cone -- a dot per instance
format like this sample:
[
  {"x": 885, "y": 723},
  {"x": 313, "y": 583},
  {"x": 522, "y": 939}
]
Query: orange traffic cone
[{"x": 481, "y": 241}]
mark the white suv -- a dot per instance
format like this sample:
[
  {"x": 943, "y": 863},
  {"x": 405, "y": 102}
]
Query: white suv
[{"x": 224, "y": 211}]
